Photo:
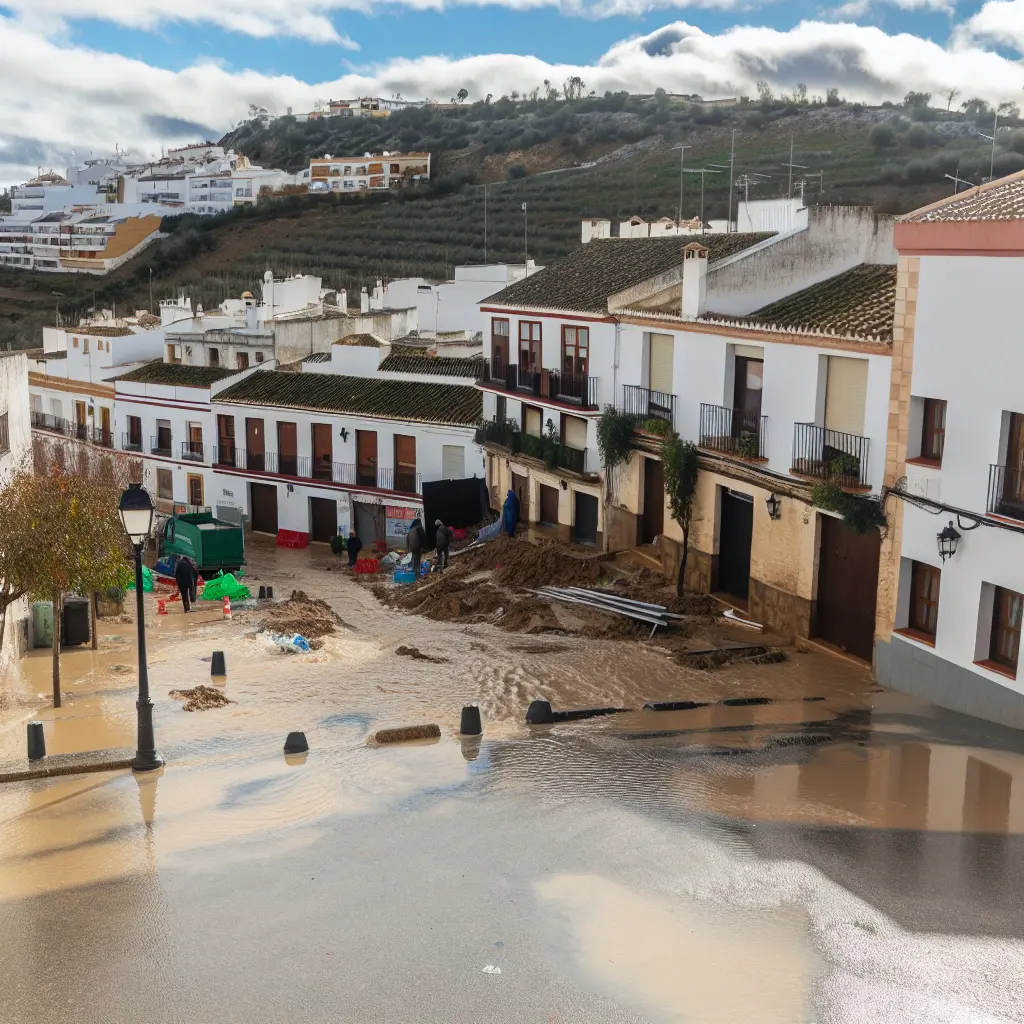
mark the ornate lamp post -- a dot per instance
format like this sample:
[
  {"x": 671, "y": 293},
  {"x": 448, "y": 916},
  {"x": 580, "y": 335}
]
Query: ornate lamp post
[
  {"x": 136, "y": 510},
  {"x": 947, "y": 541}
]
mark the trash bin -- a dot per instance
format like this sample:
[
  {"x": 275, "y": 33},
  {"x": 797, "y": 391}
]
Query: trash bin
[
  {"x": 76, "y": 622},
  {"x": 42, "y": 623}
]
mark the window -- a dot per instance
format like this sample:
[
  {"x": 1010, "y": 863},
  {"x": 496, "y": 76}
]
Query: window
[
  {"x": 933, "y": 432},
  {"x": 499, "y": 347},
  {"x": 574, "y": 432},
  {"x": 242, "y": 360},
  {"x": 405, "y": 463},
  {"x": 259, "y": 357},
  {"x": 1004, "y": 648},
  {"x": 214, "y": 357},
  {"x": 924, "y": 599},
  {"x": 195, "y": 490},
  {"x": 529, "y": 345},
  {"x": 533, "y": 420},
  {"x": 5, "y": 437},
  {"x": 134, "y": 434},
  {"x": 501, "y": 410},
  {"x": 74, "y": 343},
  {"x": 85, "y": 346},
  {"x": 575, "y": 350},
  {"x": 165, "y": 484},
  {"x": 162, "y": 441}
]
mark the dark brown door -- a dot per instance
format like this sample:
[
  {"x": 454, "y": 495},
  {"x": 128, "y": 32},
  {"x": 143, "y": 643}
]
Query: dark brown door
[
  {"x": 263, "y": 507},
  {"x": 746, "y": 402},
  {"x": 1013, "y": 482},
  {"x": 287, "y": 449},
  {"x": 405, "y": 463},
  {"x": 225, "y": 440},
  {"x": 549, "y": 505},
  {"x": 654, "y": 500},
  {"x": 847, "y": 585},
  {"x": 585, "y": 524},
  {"x": 322, "y": 451},
  {"x": 521, "y": 486},
  {"x": 323, "y": 518},
  {"x": 105, "y": 426},
  {"x": 499, "y": 348},
  {"x": 366, "y": 458},
  {"x": 735, "y": 535},
  {"x": 255, "y": 445}
]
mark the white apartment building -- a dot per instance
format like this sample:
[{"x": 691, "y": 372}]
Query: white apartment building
[
  {"x": 951, "y": 600},
  {"x": 788, "y": 395},
  {"x": 368, "y": 171}
]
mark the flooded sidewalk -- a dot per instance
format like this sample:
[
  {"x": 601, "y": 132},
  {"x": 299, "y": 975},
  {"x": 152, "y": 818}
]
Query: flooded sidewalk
[{"x": 833, "y": 853}]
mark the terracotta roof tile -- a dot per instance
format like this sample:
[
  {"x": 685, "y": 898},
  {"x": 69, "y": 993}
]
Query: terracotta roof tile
[
  {"x": 175, "y": 374},
  {"x": 998, "y": 200},
  {"x": 414, "y": 361},
  {"x": 584, "y": 280},
  {"x": 453, "y": 404}
]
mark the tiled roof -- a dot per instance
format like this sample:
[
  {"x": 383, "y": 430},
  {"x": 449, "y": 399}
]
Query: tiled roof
[
  {"x": 402, "y": 360},
  {"x": 100, "y": 331},
  {"x": 360, "y": 341},
  {"x": 584, "y": 279},
  {"x": 38, "y": 353},
  {"x": 858, "y": 303},
  {"x": 998, "y": 200},
  {"x": 175, "y": 374},
  {"x": 317, "y": 357},
  {"x": 460, "y": 405}
]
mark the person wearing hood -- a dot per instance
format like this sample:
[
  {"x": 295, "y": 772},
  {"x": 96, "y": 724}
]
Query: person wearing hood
[
  {"x": 510, "y": 513},
  {"x": 353, "y": 545},
  {"x": 416, "y": 542},
  {"x": 185, "y": 577},
  {"x": 443, "y": 540}
]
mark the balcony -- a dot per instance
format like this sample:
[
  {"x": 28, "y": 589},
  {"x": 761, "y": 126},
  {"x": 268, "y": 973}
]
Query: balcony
[
  {"x": 547, "y": 385},
  {"x": 131, "y": 444},
  {"x": 161, "y": 444},
  {"x": 642, "y": 404},
  {"x": 104, "y": 438},
  {"x": 553, "y": 454},
  {"x": 1006, "y": 492},
  {"x": 830, "y": 455},
  {"x": 191, "y": 451},
  {"x": 739, "y": 434},
  {"x": 54, "y": 424},
  {"x": 80, "y": 431}
]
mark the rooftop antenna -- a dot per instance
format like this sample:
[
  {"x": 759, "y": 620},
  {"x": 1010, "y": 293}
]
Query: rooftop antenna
[
  {"x": 702, "y": 171},
  {"x": 791, "y": 165},
  {"x": 992, "y": 139},
  {"x": 744, "y": 181},
  {"x": 682, "y": 150},
  {"x": 957, "y": 180}
]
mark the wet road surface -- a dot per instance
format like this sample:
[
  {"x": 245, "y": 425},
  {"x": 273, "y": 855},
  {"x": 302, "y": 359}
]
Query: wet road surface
[{"x": 852, "y": 858}]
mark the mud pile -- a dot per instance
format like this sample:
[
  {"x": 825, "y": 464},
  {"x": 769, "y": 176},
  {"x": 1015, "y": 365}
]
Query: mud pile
[
  {"x": 200, "y": 698},
  {"x": 308, "y": 616},
  {"x": 417, "y": 655},
  {"x": 518, "y": 563},
  {"x": 653, "y": 588}
]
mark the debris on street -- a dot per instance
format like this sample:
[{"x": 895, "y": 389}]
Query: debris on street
[
  {"x": 407, "y": 733},
  {"x": 417, "y": 655},
  {"x": 307, "y": 616},
  {"x": 200, "y": 698}
]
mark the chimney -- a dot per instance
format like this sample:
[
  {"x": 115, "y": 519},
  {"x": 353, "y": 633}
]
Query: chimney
[
  {"x": 377, "y": 300},
  {"x": 343, "y": 299},
  {"x": 695, "y": 279},
  {"x": 364, "y": 301}
]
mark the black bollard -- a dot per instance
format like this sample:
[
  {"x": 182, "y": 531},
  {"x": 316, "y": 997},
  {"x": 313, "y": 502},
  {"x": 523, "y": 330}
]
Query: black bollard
[
  {"x": 217, "y": 666},
  {"x": 296, "y": 743},
  {"x": 263, "y": 593},
  {"x": 36, "y": 741},
  {"x": 539, "y": 713},
  {"x": 470, "y": 725},
  {"x": 270, "y": 593}
]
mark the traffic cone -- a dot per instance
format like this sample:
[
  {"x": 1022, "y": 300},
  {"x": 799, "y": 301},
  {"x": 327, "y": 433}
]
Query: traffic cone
[
  {"x": 161, "y": 607},
  {"x": 227, "y": 607}
]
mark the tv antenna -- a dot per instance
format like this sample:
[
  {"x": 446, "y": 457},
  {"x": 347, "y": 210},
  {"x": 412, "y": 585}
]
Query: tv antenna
[
  {"x": 702, "y": 171},
  {"x": 682, "y": 150},
  {"x": 791, "y": 165},
  {"x": 958, "y": 181}
]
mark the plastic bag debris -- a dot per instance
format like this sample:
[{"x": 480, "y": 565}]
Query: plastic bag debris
[
  {"x": 491, "y": 969},
  {"x": 292, "y": 643}
]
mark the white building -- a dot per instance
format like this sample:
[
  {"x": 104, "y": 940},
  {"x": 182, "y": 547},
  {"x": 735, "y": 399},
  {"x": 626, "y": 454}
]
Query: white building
[
  {"x": 949, "y": 625},
  {"x": 368, "y": 171}
]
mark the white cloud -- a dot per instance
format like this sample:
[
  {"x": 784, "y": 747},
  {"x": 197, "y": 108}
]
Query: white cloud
[
  {"x": 998, "y": 21},
  {"x": 62, "y": 97}
]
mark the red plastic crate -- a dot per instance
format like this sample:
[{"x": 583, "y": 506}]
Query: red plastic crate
[
  {"x": 367, "y": 565},
  {"x": 292, "y": 539}
]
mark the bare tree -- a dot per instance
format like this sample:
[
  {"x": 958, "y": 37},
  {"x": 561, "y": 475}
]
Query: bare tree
[{"x": 950, "y": 96}]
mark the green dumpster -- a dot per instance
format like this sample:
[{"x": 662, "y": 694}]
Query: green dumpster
[{"x": 42, "y": 623}]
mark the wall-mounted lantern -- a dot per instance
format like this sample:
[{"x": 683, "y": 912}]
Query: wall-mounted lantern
[
  {"x": 774, "y": 507},
  {"x": 948, "y": 540}
]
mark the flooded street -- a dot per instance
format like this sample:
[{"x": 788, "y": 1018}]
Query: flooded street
[{"x": 832, "y": 854}]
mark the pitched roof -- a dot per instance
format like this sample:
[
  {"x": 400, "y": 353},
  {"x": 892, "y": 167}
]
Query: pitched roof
[
  {"x": 360, "y": 341},
  {"x": 317, "y": 357},
  {"x": 39, "y": 353},
  {"x": 1002, "y": 199},
  {"x": 860, "y": 302},
  {"x": 583, "y": 280},
  {"x": 175, "y": 374},
  {"x": 100, "y": 331},
  {"x": 403, "y": 360},
  {"x": 460, "y": 405}
]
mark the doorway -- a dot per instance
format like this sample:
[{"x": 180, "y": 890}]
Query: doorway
[
  {"x": 287, "y": 449},
  {"x": 255, "y": 446},
  {"x": 521, "y": 488},
  {"x": 847, "y": 586},
  {"x": 653, "y": 522},
  {"x": 105, "y": 434},
  {"x": 748, "y": 386},
  {"x": 366, "y": 458},
  {"x": 585, "y": 527},
  {"x": 549, "y": 505},
  {"x": 735, "y": 535},
  {"x": 369, "y": 522},
  {"x": 323, "y": 519},
  {"x": 194, "y": 487},
  {"x": 263, "y": 507},
  {"x": 322, "y": 451}
]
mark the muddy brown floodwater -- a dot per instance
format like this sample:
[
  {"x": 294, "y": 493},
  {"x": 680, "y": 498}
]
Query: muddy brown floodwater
[{"x": 832, "y": 854}]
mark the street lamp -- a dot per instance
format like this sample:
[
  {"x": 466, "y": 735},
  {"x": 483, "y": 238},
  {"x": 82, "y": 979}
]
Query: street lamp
[
  {"x": 948, "y": 540},
  {"x": 774, "y": 507},
  {"x": 136, "y": 511}
]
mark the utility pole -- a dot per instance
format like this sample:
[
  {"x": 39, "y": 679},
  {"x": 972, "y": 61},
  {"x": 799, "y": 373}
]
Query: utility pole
[
  {"x": 702, "y": 171},
  {"x": 791, "y": 165},
  {"x": 526, "y": 247},
  {"x": 485, "y": 225},
  {"x": 682, "y": 151},
  {"x": 732, "y": 162},
  {"x": 150, "y": 290}
]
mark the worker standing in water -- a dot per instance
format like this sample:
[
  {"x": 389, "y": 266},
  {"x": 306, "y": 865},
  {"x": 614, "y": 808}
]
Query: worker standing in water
[
  {"x": 184, "y": 576},
  {"x": 416, "y": 542},
  {"x": 442, "y": 541}
]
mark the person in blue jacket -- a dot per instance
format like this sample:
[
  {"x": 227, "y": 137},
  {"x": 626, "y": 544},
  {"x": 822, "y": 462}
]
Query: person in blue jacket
[{"x": 510, "y": 514}]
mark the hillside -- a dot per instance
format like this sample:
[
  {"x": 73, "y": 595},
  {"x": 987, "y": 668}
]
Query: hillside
[{"x": 892, "y": 159}]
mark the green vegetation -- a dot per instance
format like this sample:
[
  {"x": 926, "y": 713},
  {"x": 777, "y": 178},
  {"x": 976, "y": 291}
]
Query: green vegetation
[
  {"x": 862, "y": 515},
  {"x": 681, "y": 470}
]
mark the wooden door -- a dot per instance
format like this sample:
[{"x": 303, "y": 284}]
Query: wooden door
[
  {"x": 521, "y": 487},
  {"x": 1013, "y": 481},
  {"x": 585, "y": 524},
  {"x": 323, "y": 519},
  {"x": 287, "y": 449},
  {"x": 226, "y": 440},
  {"x": 549, "y": 505},
  {"x": 263, "y": 507},
  {"x": 529, "y": 346},
  {"x": 499, "y": 347},
  {"x": 747, "y": 390},
  {"x": 195, "y": 441},
  {"x": 405, "y": 463},
  {"x": 323, "y": 454},
  {"x": 735, "y": 534},
  {"x": 366, "y": 458},
  {"x": 105, "y": 426},
  {"x": 255, "y": 445},
  {"x": 195, "y": 490},
  {"x": 654, "y": 500},
  {"x": 847, "y": 585}
]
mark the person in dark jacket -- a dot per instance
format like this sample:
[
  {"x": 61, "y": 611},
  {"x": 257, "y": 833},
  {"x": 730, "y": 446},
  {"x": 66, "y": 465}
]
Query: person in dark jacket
[
  {"x": 442, "y": 541},
  {"x": 184, "y": 576},
  {"x": 510, "y": 514},
  {"x": 416, "y": 542},
  {"x": 353, "y": 545}
]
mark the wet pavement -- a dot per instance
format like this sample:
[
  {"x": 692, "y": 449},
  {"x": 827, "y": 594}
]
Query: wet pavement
[{"x": 852, "y": 857}]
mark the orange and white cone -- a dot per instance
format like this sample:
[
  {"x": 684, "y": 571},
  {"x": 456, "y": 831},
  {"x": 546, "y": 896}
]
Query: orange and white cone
[
  {"x": 161, "y": 607},
  {"x": 227, "y": 607}
]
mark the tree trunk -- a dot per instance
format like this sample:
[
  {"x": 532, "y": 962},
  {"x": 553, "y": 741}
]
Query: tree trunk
[
  {"x": 92, "y": 621},
  {"x": 680, "y": 583},
  {"x": 56, "y": 649}
]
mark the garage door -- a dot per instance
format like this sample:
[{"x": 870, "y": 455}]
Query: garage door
[
  {"x": 323, "y": 519},
  {"x": 263, "y": 506}
]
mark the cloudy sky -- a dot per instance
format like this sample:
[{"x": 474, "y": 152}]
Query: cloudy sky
[{"x": 79, "y": 76}]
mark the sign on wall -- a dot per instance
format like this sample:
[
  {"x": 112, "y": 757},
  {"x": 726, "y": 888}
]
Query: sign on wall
[{"x": 399, "y": 519}]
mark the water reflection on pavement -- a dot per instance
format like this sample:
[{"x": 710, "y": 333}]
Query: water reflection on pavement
[{"x": 851, "y": 858}]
